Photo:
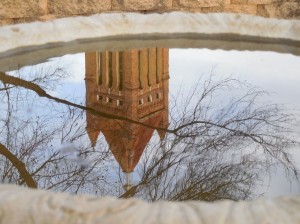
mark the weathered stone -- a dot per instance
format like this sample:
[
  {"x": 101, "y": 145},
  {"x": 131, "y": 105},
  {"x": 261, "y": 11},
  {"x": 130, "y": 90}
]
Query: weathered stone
[
  {"x": 214, "y": 9},
  {"x": 78, "y": 7},
  {"x": 49, "y": 9},
  {"x": 25, "y": 20},
  {"x": 238, "y": 8},
  {"x": 28, "y": 19},
  {"x": 239, "y": 1},
  {"x": 22, "y": 8},
  {"x": 21, "y": 205},
  {"x": 285, "y": 10},
  {"x": 116, "y": 5},
  {"x": 254, "y": 2},
  {"x": 201, "y": 3},
  {"x": 49, "y": 17},
  {"x": 141, "y": 5},
  {"x": 290, "y": 10},
  {"x": 6, "y": 21},
  {"x": 151, "y": 30},
  {"x": 233, "y": 8}
]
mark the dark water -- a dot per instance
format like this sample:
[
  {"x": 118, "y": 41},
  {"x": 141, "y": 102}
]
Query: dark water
[{"x": 173, "y": 124}]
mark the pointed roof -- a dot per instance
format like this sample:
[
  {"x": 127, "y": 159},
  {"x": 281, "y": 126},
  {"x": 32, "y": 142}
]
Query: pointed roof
[
  {"x": 161, "y": 133},
  {"x": 93, "y": 135},
  {"x": 128, "y": 141},
  {"x": 163, "y": 124},
  {"x": 92, "y": 127}
]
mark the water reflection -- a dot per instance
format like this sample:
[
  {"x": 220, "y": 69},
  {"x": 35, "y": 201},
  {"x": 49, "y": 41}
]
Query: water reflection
[
  {"x": 133, "y": 84},
  {"x": 205, "y": 147}
]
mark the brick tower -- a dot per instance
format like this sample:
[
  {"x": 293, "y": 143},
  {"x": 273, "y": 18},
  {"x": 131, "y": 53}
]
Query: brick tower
[{"x": 132, "y": 84}]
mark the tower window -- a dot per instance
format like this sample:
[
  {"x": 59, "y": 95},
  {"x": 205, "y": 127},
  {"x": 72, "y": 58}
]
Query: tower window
[
  {"x": 139, "y": 69},
  {"x": 109, "y": 100},
  {"x": 100, "y": 68},
  {"x": 157, "y": 96},
  {"x": 120, "y": 71},
  {"x": 141, "y": 101},
  {"x": 150, "y": 98},
  {"x": 110, "y": 71},
  {"x": 99, "y": 98},
  {"x": 119, "y": 102}
]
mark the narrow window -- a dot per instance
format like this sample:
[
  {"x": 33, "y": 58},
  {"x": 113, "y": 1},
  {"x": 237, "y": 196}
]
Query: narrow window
[
  {"x": 120, "y": 71},
  {"x": 119, "y": 103},
  {"x": 148, "y": 73},
  {"x": 108, "y": 100},
  {"x": 141, "y": 101},
  {"x": 110, "y": 72},
  {"x": 157, "y": 96},
  {"x": 139, "y": 68},
  {"x": 99, "y": 98},
  {"x": 100, "y": 69},
  {"x": 159, "y": 65}
]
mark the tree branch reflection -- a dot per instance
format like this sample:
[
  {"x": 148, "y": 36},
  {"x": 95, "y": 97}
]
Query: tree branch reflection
[{"x": 215, "y": 147}]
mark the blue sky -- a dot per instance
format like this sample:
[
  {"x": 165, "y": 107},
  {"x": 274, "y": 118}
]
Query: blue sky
[{"x": 276, "y": 73}]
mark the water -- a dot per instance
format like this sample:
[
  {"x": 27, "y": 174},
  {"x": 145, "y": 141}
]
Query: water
[{"x": 154, "y": 123}]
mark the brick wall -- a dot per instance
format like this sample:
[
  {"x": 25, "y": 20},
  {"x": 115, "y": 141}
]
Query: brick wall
[{"x": 18, "y": 11}]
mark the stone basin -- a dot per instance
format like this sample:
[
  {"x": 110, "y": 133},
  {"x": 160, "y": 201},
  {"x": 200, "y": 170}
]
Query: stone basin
[
  {"x": 35, "y": 42},
  {"x": 117, "y": 31}
]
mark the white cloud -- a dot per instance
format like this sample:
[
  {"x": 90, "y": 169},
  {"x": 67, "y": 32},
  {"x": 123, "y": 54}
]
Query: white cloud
[
  {"x": 274, "y": 72},
  {"x": 74, "y": 64}
]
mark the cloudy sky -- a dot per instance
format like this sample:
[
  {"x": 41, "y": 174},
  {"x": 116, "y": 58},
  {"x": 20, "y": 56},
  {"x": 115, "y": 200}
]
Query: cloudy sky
[{"x": 276, "y": 73}]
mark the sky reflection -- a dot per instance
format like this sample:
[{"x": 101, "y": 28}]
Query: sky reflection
[{"x": 278, "y": 74}]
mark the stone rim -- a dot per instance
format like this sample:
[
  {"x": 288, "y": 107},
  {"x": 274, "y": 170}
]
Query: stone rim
[
  {"x": 132, "y": 30},
  {"x": 122, "y": 26}
]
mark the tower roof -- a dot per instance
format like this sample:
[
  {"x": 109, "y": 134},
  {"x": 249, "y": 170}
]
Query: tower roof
[
  {"x": 93, "y": 135},
  {"x": 128, "y": 141},
  {"x": 163, "y": 125}
]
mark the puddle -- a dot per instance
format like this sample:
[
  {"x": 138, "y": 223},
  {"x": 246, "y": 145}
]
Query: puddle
[{"x": 154, "y": 123}]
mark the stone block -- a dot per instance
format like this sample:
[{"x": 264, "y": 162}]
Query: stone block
[
  {"x": 201, "y": 3},
  {"x": 49, "y": 17},
  {"x": 266, "y": 11},
  {"x": 254, "y": 2},
  {"x": 214, "y": 9},
  {"x": 25, "y": 20},
  {"x": 239, "y": 1},
  {"x": 239, "y": 8},
  {"x": 141, "y": 5},
  {"x": 286, "y": 10},
  {"x": 22, "y": 8},
  {"x": 4, "y": 22},
  {"x": 233, "y": 8},
  {"x": 78, "y": 7}
]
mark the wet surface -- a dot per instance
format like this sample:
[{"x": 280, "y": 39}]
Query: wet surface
[{"x": 155, "y": 123}]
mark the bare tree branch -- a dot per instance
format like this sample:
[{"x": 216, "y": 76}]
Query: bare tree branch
[{"x": 19, "y": 165}]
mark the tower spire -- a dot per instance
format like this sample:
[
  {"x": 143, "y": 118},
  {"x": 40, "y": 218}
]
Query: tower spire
[
  {"x": 128, "y": 184},
  {"x": 93, "y": 135}
]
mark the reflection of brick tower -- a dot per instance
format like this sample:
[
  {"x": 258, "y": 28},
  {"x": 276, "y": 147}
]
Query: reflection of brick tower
[{"x": 132, "y": 84}]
